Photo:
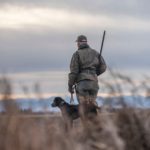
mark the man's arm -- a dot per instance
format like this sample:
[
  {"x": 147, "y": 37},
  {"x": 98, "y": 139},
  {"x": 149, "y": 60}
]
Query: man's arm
[
  {"x": 101, "y": 68},
  {"x": 74, "y": 71}
]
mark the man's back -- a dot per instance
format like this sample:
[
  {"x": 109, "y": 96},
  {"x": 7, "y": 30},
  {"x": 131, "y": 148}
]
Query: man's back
[
  {"x": 88, "y": 62},
  {"x": 88, "y": 59}
]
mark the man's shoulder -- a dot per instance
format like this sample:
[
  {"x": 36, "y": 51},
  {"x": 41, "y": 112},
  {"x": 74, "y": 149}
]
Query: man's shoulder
[
  {"x": 94, "y": 51},
  {"x": 75, "y": 53}
]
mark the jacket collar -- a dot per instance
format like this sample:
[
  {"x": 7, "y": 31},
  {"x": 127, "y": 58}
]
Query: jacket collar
[{"x": 83, "y": 46}]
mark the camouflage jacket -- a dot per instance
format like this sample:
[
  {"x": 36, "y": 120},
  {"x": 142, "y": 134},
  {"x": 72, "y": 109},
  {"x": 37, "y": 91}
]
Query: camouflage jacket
[{"x": 83, "y": 65}]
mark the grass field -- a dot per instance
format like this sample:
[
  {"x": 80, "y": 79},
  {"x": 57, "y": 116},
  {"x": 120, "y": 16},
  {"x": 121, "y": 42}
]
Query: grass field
[{"x": 123, "y": 129}]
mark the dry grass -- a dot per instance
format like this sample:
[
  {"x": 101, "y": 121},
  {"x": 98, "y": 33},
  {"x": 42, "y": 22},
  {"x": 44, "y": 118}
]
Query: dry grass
[{"x": 124, "y": 129}]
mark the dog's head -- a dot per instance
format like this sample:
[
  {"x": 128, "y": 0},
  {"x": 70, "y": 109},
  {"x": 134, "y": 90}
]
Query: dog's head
[{"x": 58, "y": 102}]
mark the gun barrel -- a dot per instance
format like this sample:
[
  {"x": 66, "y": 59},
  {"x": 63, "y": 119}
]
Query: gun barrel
[{"x": 102, "y": 42}]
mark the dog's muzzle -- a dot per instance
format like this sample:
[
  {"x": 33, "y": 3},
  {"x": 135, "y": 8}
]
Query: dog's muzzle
[{"x": 53, "y": 105}]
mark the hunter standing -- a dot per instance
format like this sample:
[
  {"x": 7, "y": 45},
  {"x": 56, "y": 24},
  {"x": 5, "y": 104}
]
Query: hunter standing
[{"x": 83, "y": 74}]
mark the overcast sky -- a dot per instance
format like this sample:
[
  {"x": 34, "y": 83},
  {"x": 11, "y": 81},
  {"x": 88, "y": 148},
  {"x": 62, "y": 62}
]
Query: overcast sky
[{"x": 41, "y": 34}]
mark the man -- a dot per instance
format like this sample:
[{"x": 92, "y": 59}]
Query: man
[{"x": 83, "y": 74}]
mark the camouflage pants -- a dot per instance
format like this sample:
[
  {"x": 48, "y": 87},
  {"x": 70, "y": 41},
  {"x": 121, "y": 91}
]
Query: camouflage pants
[{"x": 86, "y": 92}]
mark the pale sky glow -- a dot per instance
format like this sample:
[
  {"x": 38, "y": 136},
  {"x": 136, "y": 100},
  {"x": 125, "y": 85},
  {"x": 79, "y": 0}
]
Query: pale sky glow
[
  {"x": 17, "y": 17},
  {"x": 21, "y": 17}
]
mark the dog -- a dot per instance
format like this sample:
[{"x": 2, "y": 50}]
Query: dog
[{"x": 70, "y": 112}]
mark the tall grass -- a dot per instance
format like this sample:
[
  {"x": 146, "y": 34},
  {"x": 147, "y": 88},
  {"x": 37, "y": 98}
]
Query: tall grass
[{"x": 124, "y": 129}]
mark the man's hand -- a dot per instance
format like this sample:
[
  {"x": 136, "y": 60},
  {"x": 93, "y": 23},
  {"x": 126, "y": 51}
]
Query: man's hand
[{"x": 71, "y": 89}]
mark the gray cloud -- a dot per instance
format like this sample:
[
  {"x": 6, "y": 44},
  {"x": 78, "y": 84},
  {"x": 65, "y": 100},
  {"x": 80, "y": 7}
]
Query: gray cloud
[
  {"x": 53, "y": 50},
  {"x": 33, "y": 48}
]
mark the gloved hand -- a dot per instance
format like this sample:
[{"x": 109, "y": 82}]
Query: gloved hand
[{"x": 71, "y": 89}]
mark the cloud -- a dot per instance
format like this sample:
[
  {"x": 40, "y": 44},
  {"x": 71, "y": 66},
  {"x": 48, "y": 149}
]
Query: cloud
[
  {"x": 41, "y": 34},
  {"x": 17, "y": 17},
  {"x": 53, "y": 50},
  {"x": 134, "y": 8}
]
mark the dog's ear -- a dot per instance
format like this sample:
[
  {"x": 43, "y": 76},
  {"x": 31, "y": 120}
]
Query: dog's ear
[{"x": 58, "y": 100}]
